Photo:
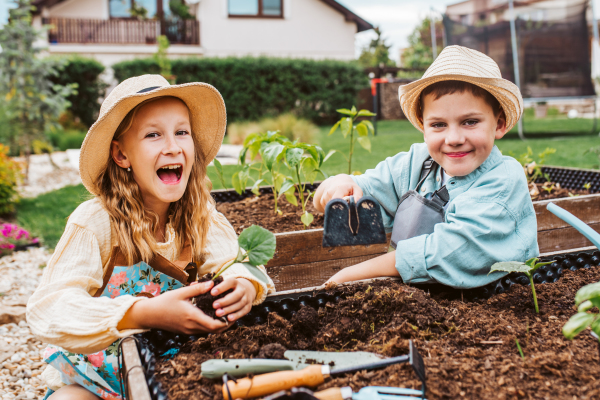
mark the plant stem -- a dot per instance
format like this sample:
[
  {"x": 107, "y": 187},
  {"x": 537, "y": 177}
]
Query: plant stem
[
  {"x": 300, "y": 188},
  {"x": 224, "y": 268},
  {"x": 519, "y": 348},
  {"x": 351, "y": 147},
  {"x": 537, "y": 310}
]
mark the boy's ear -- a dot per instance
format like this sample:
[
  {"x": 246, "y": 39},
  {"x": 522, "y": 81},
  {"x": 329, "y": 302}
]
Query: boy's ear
[
  {"x": 500, "y": 125},
  {"x": 118, "y": 156}
]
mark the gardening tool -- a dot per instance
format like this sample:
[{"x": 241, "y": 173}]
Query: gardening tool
[
  {"x": 296, "y": 360},
  {"x": 314, "y": 375},
  {"x": 370, "y": 393},
  {"x": 576, "y": 223},
  {"x": 350, "y": 223}
]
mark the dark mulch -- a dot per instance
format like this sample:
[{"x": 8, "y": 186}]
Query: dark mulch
[{"x": 468, "y": 347}]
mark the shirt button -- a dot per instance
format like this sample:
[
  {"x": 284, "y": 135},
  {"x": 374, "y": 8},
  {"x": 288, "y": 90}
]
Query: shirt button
[
  {"x": 437, "y": 179},
  {"x": 423, "y": 190}
]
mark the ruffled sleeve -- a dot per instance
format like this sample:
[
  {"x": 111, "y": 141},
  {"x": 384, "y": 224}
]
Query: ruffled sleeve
[{"x": 222, "y": 247}]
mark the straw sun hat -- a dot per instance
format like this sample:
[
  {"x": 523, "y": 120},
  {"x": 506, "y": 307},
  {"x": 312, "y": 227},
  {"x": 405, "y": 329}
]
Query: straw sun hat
[
  {"x": 459, "y": 63},
  {"x": 207, "y": 113}
]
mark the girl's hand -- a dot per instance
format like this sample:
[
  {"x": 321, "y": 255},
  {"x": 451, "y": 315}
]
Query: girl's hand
[
  {"x": 237, "y": 303},
  {"x": 173, "y": 311}
]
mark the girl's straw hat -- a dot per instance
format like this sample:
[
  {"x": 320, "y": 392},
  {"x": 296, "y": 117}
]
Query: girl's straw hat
[
  {"x": 457, "y": 63},
  {"x": 207, "y": 113}
]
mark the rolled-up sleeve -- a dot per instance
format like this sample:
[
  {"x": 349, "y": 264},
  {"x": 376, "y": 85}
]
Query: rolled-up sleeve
[
  {"x": 459, "y": 253},
  {"x": 62, "y": 310},
  {"x": 222, "y": 247}
]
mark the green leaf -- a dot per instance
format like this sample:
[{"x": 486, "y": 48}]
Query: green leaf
[
  {"x": 356, "y": 173},
  {"x": 287, "y": 184},
  {"x": 345, "y": 111},
  {"x": 256, "y": 186},
  {"x": 271, "y": 154},
  {"x": 307, "y": 218},
  {"x": 585, "y": 306},
  {"x": 365, "y": 143},
  {"x": 576, "y": 324},
  {"x": 278, "y": 181},
  {"x": 366, "y": 113},
  {"x": 346, "y": 126},
  {"x": 331, "y": 152},
  {"x": 362, "y": 130},
  {"x": 291, "y": 197},
  {"x": 293, "y": 156},
  {"x": 531, "y": 262},
  {"x": 256, "y": 272},
  {"x": 237, "y": 185},
  {"x": 369, "y": 126},
  {"x": 334, "y": 128},
  {"x": 587, "y": 292},
  {"x": 510, "y": 266},
  {"x": 219, "y": 169},
  {"x": 259, "y": 244},
  {"x": 538, "y": 265},
  {"x": 595, "y": 326},
  {"x": 309, "y": 169}
]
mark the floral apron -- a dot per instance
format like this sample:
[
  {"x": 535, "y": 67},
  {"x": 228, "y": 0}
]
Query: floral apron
[{"x": 99, "y": 372}]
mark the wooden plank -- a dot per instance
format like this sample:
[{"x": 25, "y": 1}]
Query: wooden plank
[
  {"x": 288, "y": 277},
  {"x": 302, "y": 247},
  {"x": 563, "y": 239},
  {"x": 586, "y": 208},
  {"x": 137, "y": 388}
]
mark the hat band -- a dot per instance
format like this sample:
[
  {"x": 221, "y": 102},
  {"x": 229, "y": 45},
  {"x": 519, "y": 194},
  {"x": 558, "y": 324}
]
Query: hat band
[{"x": 149, "y": 89}]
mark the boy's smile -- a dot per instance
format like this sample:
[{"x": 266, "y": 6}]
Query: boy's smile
[
  {"x": 159, "y": 149},
  {"x": 460, "y": 130}
]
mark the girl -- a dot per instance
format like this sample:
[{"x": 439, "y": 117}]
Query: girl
[{"x": 152, "y": 228}]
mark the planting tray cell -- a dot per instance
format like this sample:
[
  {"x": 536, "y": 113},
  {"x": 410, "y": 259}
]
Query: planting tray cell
[{"x": 572, "y": 178}]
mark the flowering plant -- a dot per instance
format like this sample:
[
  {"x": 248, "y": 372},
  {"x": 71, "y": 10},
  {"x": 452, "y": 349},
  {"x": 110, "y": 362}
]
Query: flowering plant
[{"x": 12, "y": 237}]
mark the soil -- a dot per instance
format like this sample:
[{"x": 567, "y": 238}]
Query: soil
[
  {"x": 468, "y": 347},
  {"x": 205, "y": 301},
  {"x": 259, "y": 211}
]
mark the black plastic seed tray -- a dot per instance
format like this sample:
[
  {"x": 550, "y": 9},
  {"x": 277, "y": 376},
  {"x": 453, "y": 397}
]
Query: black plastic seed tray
[
  {"x": 155, "y": 343},
  {"x": 573, "y": 178},
  {"x": 230, "y": 195}
]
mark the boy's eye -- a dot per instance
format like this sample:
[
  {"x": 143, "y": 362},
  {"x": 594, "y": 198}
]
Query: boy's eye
[
  {"x": 438, "y": 125},
  {"x": 471, "y": 122}
]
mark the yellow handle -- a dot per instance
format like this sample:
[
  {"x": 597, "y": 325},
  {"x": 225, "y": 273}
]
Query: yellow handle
[
  {"x": 265, "y": 384},
  {"x": 330, "y": 394}
]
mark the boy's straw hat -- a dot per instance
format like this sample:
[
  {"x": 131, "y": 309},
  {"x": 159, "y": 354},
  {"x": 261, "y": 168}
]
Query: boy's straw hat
[
  {"x": 207, "y": 113},
  {"x": 457, "y": 63}
]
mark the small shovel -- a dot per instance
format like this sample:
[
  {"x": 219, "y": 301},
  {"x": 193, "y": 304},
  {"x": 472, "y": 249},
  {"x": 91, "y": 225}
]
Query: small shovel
[
  {"x": 347, "y": 223},
  {"x": 266, "y": 384},
  {"x": 296, "y": 360},
  {"x": 369, "y": 393}
]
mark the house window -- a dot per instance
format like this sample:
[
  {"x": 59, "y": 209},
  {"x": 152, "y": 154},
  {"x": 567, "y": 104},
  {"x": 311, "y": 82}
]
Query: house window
[
  {"x": 256, "y": 8},
  {"x": 120, "y": 8}
]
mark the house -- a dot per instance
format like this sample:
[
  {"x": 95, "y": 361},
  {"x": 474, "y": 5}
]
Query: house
[{"x": 108, "y": 31}]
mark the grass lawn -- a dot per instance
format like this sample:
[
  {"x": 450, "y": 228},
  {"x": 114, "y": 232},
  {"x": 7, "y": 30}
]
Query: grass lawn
[{"x": 47, "y": 214}]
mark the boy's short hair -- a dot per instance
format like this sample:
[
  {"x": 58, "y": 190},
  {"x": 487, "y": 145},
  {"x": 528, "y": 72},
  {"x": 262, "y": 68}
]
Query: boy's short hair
[{"x": 440, "y": 89}]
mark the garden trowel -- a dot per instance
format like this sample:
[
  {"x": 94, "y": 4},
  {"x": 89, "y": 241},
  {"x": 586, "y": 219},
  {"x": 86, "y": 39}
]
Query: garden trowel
[
  {"x": 350, "y": 223},
  {"x": 295, "y": 360}
]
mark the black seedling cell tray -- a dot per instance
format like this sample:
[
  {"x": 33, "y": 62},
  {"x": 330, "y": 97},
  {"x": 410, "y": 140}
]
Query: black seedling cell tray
[
  {"x": 572, "y": 178},
  {"x": 230, "y": 195},
  {"x": 156, "y": 343}
]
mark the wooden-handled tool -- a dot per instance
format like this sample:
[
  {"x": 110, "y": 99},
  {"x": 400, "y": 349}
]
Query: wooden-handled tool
[
  {"x": 344, "y": 393},
  {"x": 370, "y": 393},
  {"x": 266, "y": 384}
]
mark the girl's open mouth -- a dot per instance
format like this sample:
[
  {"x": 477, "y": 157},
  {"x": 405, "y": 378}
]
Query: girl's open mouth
[{"x": 170, "y": 174}]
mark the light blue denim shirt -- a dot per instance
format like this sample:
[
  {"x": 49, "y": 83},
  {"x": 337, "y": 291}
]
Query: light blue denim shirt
[{"x": 489, "y": 218}]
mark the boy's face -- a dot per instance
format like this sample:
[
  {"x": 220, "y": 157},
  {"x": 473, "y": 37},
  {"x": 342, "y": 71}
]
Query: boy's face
[{"x": 460, "y": 130}]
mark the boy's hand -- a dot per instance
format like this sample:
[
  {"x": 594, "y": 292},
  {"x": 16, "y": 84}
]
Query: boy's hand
[
  {"x": 172, "y": 311},
  {"x": 336, "y": 187},
  {"x": 237, "y": 303}
]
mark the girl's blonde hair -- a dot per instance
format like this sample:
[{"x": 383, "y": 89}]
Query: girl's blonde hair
[{"x": 134, "y": 225}]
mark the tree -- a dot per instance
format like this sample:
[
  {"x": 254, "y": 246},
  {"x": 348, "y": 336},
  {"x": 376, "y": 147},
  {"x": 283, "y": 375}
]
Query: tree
[
  {"x": 32, "y": 103},
  {"x": 419, "y": 54},
  {"x": 376, "y": 53}
]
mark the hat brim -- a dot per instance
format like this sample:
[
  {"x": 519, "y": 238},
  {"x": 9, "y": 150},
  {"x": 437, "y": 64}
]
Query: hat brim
[
  {"x": 506, "y": 92},
  {"x": 208, "y": 121}
]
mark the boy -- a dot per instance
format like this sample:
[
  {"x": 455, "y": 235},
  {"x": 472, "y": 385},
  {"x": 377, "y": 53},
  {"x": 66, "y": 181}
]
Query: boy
[{"x": 456, "y": 205}]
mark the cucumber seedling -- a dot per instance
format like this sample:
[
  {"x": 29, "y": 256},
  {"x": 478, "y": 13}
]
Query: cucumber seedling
[
  {"x": 528, "y": 268},
  {"x": 586, "y": 298}
]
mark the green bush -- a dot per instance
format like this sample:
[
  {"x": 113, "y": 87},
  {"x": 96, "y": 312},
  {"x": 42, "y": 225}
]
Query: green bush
[
  {"x": 85, "y": 72},
  {"x": 9, "y": 176},
  {"x": 69, "y": 139},
  {"x": 287, "y": 124},
  {"x": 254, "y": 88}
]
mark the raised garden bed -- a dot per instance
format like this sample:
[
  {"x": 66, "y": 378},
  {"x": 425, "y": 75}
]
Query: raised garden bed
[
  {"x": 468, "y": 345},
  {"x": 301, "y": 261}
]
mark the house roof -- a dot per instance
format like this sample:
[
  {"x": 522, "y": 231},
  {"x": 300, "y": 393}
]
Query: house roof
[{"x": 361, "y": 24}]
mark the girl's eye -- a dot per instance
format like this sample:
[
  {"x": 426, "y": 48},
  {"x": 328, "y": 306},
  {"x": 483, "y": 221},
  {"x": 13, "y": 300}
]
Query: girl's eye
[
  {"x": 182, "y": 132},
  {"x": 152, "y": 135},
  {"x": 471, "y": 122}
]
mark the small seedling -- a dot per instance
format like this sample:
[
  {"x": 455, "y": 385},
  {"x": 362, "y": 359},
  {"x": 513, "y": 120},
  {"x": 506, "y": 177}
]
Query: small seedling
[
  {"x": 520, "y": 350},
  {"x": 258, "y": 246},
  {"x": 362, "y": 130},
  {"x": 586, "y": 298},
  {"x": 587, "y": 186},
  {"x": 528, "y": 268},
  {"x": 533, "y": 169}
]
